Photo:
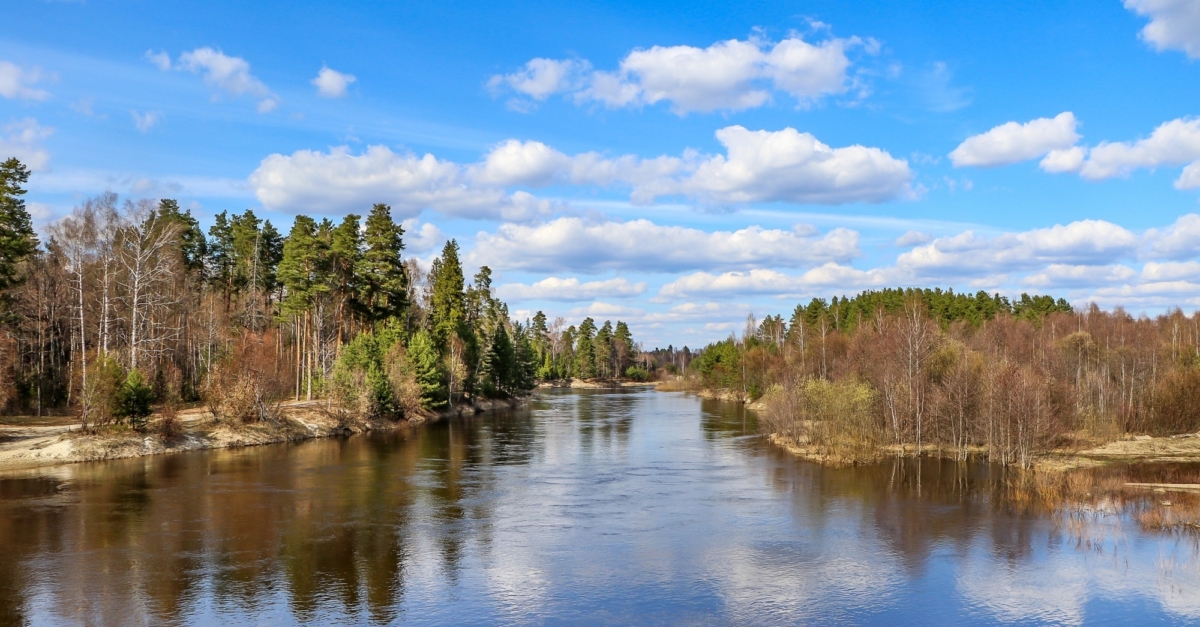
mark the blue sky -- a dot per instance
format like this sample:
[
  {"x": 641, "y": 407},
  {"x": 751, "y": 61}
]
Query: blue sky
[{"x": 675, "y": 165}]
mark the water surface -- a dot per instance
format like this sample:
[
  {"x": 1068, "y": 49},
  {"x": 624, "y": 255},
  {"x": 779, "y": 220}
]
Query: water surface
[{"x": 586, "y": 508}]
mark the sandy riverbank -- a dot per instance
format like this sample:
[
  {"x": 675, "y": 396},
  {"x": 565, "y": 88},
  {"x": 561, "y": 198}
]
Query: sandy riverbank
[{"x": 24, "y": 446}]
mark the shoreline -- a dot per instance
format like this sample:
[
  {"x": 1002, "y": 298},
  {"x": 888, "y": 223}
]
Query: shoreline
[{"x": 25, "y": 448}]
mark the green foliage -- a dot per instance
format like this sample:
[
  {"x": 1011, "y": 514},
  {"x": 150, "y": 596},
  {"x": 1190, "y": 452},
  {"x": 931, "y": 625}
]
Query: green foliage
[
  {"x": 17, "y": 239},
  {"x": 427, "y": 366},
  {"x": 192, "y": 245},
  {"x": 720, "y": 365},
  {"x": 304, "y": 267},
  {"x": 585, "y": 350},
  {"x": 946, "y": 307},
  {"x": 359, "y": 379},
  {"x": 446, "y": 300},
  {"x": 382, "y": 282},
  {"x": 133, "y": 399},
  {"x": 634, "y": 373}
]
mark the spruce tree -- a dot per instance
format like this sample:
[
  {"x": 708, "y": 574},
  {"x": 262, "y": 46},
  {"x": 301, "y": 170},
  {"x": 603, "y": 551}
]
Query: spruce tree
[
  {"x": 17, "y": 239},
  {"x": 383, "y": 283},
  {"x": 622, "y": 347},
  {"x": 446, "y": 300},
  {"x": 423, "y": 355},
  {"x": 585, "y": 350}
]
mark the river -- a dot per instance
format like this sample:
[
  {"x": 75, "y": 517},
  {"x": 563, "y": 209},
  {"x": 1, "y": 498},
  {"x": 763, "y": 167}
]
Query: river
[{"x": 585, "y": 508}]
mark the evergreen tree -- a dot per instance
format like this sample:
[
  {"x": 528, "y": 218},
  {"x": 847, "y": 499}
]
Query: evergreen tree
[
  {"x": 345, "y": 248},
  {"x": 383, "y": 283},
  {"x": 133, "y": 400},
  {"x": 303, "y": 272},
  {"x": 500, "y": 364},
  {"x": 585, "y": 350},
  {"x": 423, "y": 355},
  {"x": 446, "y": 300},
  {"x": 623, "y": 350},
  {"x": 603, "y": 349},
  {"x": 17, "y": 239},
  {"x": 525, "y": 368},
  {"x": 192, "y": 243}
]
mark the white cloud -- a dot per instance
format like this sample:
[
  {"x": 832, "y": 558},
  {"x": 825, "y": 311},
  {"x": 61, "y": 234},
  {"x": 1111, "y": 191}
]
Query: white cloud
[
  {"x": 913, "y": 238},
  {"x": 761, "y": 281},
  {"x": 542, "y": 78},
  {"x": 1173, "y": 143},
  {"x": 515, "y": 162},
  {"x": 145, "y": 121},
  {"x": 421, "y": 237},
  {"x": 160, "y": 59},
  {"x": 571, "y": 289},
  {"x": 761, "y": 166},
  {"x": 1063, "y": 160},
  {"x": 1086, "y": 242},
  {"x": 1013, "y": 142},
  {"x": 22, "y": 139},
  {"x": 18, "y": 83},
  {"x": 729, "y": 75},
  {"x": 1178, "y": 241},
  {"x": 640, "y": 245},
  {"x": 1063, "y": 275},
  {"x": 1189, "y": 178},
  {"x": 338, "y": 181},
  {"x": 1159, "y": 271},
  {"x": 227, "y": 74},
  {"x": 791, "y": 166},
  {"x": 332, "y": 83},
  {"x": 1174, "y": 24}
]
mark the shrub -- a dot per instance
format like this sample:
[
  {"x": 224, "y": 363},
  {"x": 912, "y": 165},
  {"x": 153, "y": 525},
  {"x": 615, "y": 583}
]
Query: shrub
[
  {"x": 634, "y": 373},
  {"x": 133, "y": 399}
]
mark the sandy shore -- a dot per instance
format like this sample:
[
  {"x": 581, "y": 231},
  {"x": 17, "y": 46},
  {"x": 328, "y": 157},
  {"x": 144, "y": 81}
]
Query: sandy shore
[{"x": 24, "y": 446}]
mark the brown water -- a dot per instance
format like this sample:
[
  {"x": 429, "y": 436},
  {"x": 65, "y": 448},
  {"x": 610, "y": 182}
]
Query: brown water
[{"x": 592, "y": 507}]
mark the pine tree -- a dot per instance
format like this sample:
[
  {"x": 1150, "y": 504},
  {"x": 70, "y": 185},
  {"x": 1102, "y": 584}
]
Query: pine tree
[
  {"x": 303, "y": 273},
  {"x": 17, "y": 239},
  {"x": 345, "y": 247},
  {"x": 585, "y": 350},
  {"x": 622, "y": 347},
  {"x": 383, "y": 283},
  {"x": 499, "y": 364},
  {"x": 192, "y": 244},
  {"x": 446, "y": 300},
  {"x": 604, "y": 352}
]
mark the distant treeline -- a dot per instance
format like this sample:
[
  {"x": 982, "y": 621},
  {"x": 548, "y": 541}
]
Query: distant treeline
[{"x": 930, "y": 368}]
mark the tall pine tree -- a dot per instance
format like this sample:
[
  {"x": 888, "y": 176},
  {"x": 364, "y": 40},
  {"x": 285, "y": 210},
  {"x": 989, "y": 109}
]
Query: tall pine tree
[
  {"x": 383, "y": 283},
  {"x": 17, "y": 239}
]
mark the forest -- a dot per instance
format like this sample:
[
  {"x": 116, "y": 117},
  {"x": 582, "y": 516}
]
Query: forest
[
  {"x": 123, "y": 307},
  {"x": 956, "y": 374}
]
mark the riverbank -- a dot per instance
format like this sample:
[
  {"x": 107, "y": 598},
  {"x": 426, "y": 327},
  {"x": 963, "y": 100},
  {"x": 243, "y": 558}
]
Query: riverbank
[
  {"x": 24, "y": 446},
  {"x": 594, "y": 384}
]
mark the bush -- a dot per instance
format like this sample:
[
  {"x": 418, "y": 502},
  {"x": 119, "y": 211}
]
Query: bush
[
  {"x": 634, "y": 373},
  {"x": 133, "y": 399}
]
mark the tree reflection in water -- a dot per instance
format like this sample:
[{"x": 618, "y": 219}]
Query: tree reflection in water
[{"x": 594, "y": 505}]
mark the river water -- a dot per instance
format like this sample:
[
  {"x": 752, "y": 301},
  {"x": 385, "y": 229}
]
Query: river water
[{"x": 586, "y": 508}]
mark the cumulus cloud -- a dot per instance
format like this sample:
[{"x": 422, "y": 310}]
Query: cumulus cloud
[
  {"x": 339, "y": 180},
  {"x": 761, "y": 281},
  {"x": 1174, "y": 24},
  {"x": 1173, "y": 143},
  {"x": 791, "y": 166},
  {"x": 640, "y": 245},
  {"x": 22, "y": 139},
  {"x": 421, "y": 237},
  {"x": 332, "y": 83},
  {"x": 786, "y": 166},
  {"x": 145, "y": 121},
  {"x": 729, "y": 75},
  {"x": 542, "y": 78},
  {"x": 1013, "y": 142},
  {"x": 223, "y": 73},
  {"x": 17, "y": 83},
  {"x": 571, "y": 289},
  {"x": 1060, "y": 275},
  {"x": 1086, "y": 242},
  {"x": 913, "y": 238},
  {"x": 1178, "y": 241}
]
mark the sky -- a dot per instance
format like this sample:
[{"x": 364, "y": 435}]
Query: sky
[{"x": 677, "y": 165}]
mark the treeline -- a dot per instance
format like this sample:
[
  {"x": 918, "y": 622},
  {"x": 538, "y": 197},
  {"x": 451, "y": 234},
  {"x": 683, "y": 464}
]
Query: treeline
[
  {"x": 123, "y": 304},
  {"x": 956, "y": 373},
  {"x": 586, "y": 352}
]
